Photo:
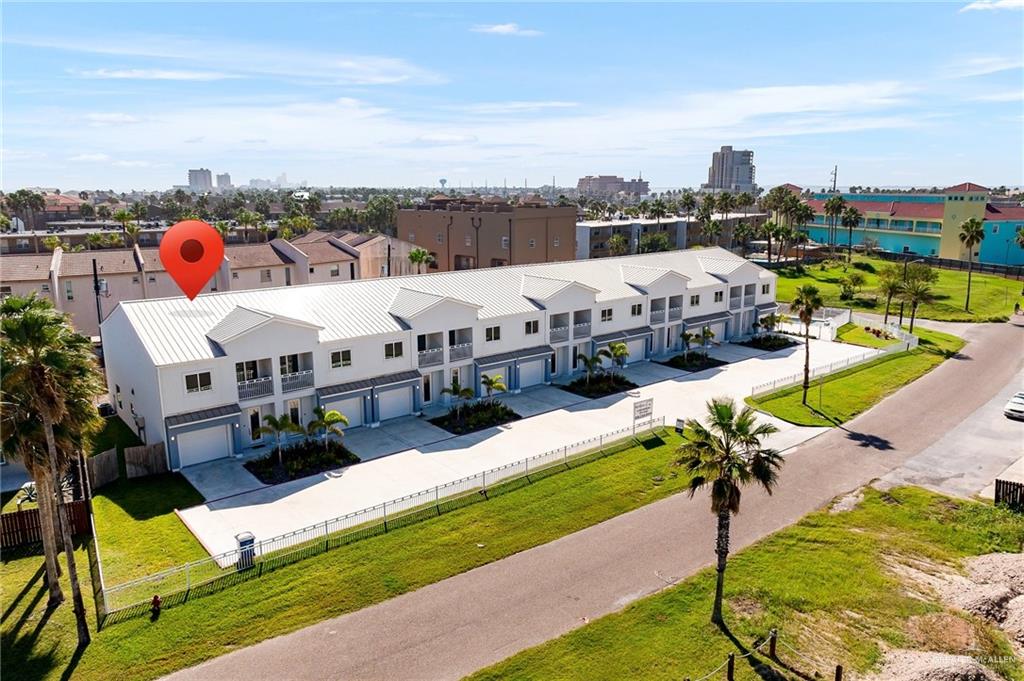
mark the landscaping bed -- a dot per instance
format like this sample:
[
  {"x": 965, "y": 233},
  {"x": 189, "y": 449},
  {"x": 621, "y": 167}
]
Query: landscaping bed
[
  {"x": 770, "y": 343},
  {"x": 470, "y": 418},
  {"x": 695, "y": 361},
  {"x": 867, "y": 336},
  {"x": 308, "y": 457},
  {"x": 600, "y": 385}
]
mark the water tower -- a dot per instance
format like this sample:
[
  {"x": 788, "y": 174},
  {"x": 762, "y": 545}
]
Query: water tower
[{"x": 442, "y": 182}]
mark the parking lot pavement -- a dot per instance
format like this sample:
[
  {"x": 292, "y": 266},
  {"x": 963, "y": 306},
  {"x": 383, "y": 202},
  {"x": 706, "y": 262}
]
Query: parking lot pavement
[
  {"x": 282, "y": 508},
  {"x": 397, "y": 435},
  {"x": 968, "y": 458}
]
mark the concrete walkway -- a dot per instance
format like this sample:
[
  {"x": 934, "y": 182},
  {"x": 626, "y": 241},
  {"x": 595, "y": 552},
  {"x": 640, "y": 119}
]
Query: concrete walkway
[
  {"x": 454, "y": 627},
  {"x": 272, "y": 511}
]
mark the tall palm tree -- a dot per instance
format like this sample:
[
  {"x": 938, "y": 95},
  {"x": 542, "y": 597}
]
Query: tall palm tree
[
  {"x": 743, "y": 233},
  {"x": 125, "y": 217},
  {"x": 492, "y": 384},
  {"x": 49, "y": 380},
  {"x": 834, "y": 207},
  {"x": 658, "y": 210},
  {"x": 278, "y": 426},
  {"x": 725, "y": 455},
  {"x": 326, "y": 422},
  {"x": 246, "y": 219},
  {"x": 745, "y": 200},
  {"x": 807, "y": 302},
  {"x": 850, "y": 219},
  {"x": 890, "y": 285},
  {"x": 140, "y": 209},
  {"x": 769, "y": 229},
  {"x": 687, "y": 204},
  {"x": 972, "y": 232},
  {"x": 420, "y": 257},
  {"x": 916, "y": 291},
  {"x": 725, "y": 203},
  {"x": 132, "y": 232}
]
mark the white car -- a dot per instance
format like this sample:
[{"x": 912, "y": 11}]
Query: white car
[{"x": 1014, "y": 409}]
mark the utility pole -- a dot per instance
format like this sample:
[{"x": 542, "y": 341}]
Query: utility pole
[
  {"x": 835, "y": 176},
  {"x": 96, "y": 292}
]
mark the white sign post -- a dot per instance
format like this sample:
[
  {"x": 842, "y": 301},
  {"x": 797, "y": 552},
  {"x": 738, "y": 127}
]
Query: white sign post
[{"x": 642, "y": 409}]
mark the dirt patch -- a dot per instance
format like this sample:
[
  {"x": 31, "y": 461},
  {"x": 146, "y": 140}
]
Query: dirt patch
[
  {"x": 748, "y": 607},
  {"x": 848, "y": 502},
  {"x": 998, "y": 568},
  {"x": 911, "y": 665},
  {"x": 1013, "y": 623},
  {"x": 942, "y": 632}
]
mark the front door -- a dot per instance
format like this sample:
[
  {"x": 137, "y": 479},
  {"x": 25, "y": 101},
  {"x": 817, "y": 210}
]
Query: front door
[
  {"x": 254, "y": 425},
  {"x": 427, "y": 393},
  {"x": 554, "y": 365}
]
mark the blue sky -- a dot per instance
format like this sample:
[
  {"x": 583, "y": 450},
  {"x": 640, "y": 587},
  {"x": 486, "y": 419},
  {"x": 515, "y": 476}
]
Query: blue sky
[{"x": 131, "y": 96}]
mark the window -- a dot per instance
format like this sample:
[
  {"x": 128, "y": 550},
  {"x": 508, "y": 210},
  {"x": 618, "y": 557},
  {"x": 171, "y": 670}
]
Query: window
[
  {"x": 152, "y": 278},
  {"x": 293, "y": 411},
  {"x": 265, "y": 276},
  {"x": 719, "y": 296},
  {"x": 393, "y": 350},
  {"x": 504, "y": 242},
  {"x": 289, "y": 364},
  {"x": 234, "y": 275},
  {"x": 45, "y": 288},
  {"x": 492, "y": 333},
  {"x": 440, "y": 238},
  {"x": 246, "y": 371},
  {"x": 135, "y": 279},
  {"x": 995, "y": 229},
  {"x": 102, "y": 283},
  {"x": 5, "y": 291},
  {"x": 412, "y": 237},
  {"x": 312, "y": 270},
  {"x": 198, "y": 383},
  {"x": 694, "y": 301},
  {"x": 351, "y": 270},
  {"x": 557, "y": 242},
  {"x": 636, "y": 309},
  {"x": 606, "y": 314},
  {"x": 69, "y": 291},
  {"x": 766, "y": 289},
  {"x": 532, "y": 243},
  {"x": 532, "y": 327},
  {"x": 341, "y": 358},
  {"x": 469, "y": 240},
  {"x": 335, "y": 270}
]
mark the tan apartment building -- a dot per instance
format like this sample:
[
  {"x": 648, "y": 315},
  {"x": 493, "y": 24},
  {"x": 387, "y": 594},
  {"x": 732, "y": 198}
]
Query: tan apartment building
[
  {"x": 471, "y": 232},
  {"x": 592, "y": 236}
]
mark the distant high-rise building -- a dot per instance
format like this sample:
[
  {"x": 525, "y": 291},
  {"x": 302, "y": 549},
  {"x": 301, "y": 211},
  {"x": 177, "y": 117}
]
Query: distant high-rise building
[
  {"x": 610, "y": 185},
  {"x": 224, "y": 181},
  {"x": 200, "y": 180},
  {"x": 731, "y": 171}
]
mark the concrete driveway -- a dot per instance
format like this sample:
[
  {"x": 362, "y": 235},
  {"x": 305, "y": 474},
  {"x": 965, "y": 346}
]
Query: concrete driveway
[
  {"x": 221, "y": 478},
  {"x": 272, "y": 511},
  {"x": 395, "y": 435}
]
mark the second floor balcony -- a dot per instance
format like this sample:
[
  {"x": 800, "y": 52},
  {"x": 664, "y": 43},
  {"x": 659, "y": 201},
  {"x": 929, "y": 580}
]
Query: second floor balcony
[
  {"x": 559, "y": 334},
  {"x": 581, "y": 330},
  {"x": 297, "y": 380},
  {"x": 255, "y": 387},
  {"x": 431, "y": 357},
  {"x": 675, "y": 314},
  {"x": 657, "y": 316},
  {"x": 460, "y": 351},
  {"x": 748, "y": 301}
]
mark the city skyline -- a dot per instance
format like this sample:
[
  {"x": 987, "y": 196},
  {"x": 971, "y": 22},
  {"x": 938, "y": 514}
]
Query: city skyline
[{"x": 488, "y": 93}]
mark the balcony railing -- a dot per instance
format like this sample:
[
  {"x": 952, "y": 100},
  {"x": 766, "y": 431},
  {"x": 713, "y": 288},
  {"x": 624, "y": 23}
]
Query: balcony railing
[
  {"x": 297, "y": 381},
  {"x": 657, "y": 316},
  {"x": 255, "y": 387},
  {"x": 431, "y": 357},
  {"x": 748, "y": 301},
  {"x": 734, "y": 303},
  {"x": 675, "y": 314},
  {"x": 460, "y": 351},
  {"x": 581, "y": 330},
  {"x": 559, "y": 334}
]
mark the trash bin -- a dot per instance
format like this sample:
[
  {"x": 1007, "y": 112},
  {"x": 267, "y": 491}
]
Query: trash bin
[{"x": 246, "y": 550}]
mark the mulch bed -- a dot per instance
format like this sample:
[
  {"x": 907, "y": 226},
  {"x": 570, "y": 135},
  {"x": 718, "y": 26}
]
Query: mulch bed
[
  {"x": 694, "y": 362},
  {"x": 476, "y": 416},
  {"x": 300, "y": 460},
  {"x": 600, "y": 385}
]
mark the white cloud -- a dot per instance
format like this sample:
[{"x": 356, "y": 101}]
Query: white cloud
[
  {"x": 151, "y": 74},
  {"x": 98, "y": 119},
  {"x": 439, "y": 139},
  {"x": 968, "y": 67},
  {"x": 132, "y": 164},
  {"x": 1011, "y": 96},
  {"x": 238, "y": 57},
  {"x": 514, "y": 107},
  {"x": 506, "y": 29},
  {"x": 90, "y": 157},
  {"x": 993, "y": 5}
]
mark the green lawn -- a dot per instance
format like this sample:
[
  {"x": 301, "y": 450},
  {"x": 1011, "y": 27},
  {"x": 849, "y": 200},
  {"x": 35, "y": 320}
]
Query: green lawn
[
  {"x": 992, "y": 297},
  {"x": 821, "y": 582},
  {"x": 846, "y": 394},
  {"x": 330, "y": 584},
  {"x": 115, "y": 433},
  {"x": 856, "y": 335}
]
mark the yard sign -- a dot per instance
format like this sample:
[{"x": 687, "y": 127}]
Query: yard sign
[{"x": 642, "y": 409}]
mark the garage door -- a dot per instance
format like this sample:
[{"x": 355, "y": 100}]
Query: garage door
[
  {"x": 531, "y": 373},
  {"x": 207, "y": 444},
  {"x": 393, "y": 403},
  {"x": 352, "y": 408},
  {"x": 636, "y": 349},
  {"x": 719, "y": 331}
]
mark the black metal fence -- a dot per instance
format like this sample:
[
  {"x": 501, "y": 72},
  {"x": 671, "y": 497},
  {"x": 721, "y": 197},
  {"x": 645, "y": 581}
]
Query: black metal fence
[
  {"x": 1008, "y": 271},
  {"x": 1010, "y": 494}
]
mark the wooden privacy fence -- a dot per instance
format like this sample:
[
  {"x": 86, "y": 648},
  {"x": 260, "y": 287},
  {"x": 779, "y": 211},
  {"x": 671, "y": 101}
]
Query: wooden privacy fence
[
  {"x": 145, "y": 460},
  {"x": 1010, "y": 494},
  {"x": 102, "y": 468},
  {"x": 23, "y": 527}
]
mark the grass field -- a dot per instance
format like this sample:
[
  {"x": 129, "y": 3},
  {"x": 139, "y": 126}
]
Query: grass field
[
  {"x": 992, "y": 297},
  {"x": 846, "y": 394},
  {"x": 822, "y": 583},
  {"x": 330, "y": 584},
  {"x": 856, "y": 335}
]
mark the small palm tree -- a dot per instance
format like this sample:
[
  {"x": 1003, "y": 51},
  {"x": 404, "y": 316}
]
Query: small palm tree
[
  {"x": 769, "y": 322},
  {"x": 890, "y": 285},
  {"x": 807, "y": 302},
  {"x": 326, "y": 422},
  {"x": 458, "y": 393},
  {"x": 94, "y": 241},
  {"x": 125, "y": 217},
  {"x": 972, "y": 232},
  {"x": 619, "y": 353},
  {"x": 618, "y": 245},
  {"x": 725, "y": 455},
  {"x": 706, "y": 336},
  {"x": 915, "y": 292},
  {"x": 492, "y": 384},
  {"x": 850, "y": 219},
  {"x": 420, "y": 257},
  {"x": 593, "y": 364},
  {"x": 278, "y": 426},
  {"x": 688, "y": 339},
  {"x": 223, "y": 228}
]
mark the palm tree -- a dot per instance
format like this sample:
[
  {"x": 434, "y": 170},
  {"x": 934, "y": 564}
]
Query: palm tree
[
  {"x": 850, "y": 219},
  {"x": 916, "y": 291},
  {"x": 458, "y": 393},
  {"x": 711, "y": 232},
  {"x": 726, "y": 203},
  {"x": 593, "y": 364},
  {"x": 617, "y": 245},
  {"x": 263, "y": 229},
  {"x": 1019, "y": 237},
  {"x": 807, "y": 302},
  {"x": 326, "y": 422},
  {"x": 246, "y": 219},
  {"x": 140, "y": 210},
  {"x": 972, "y": 232},
  {"x": 834, "y": 207},
  {"x": 769, "y": 229},
  {"x": 706, "y": 336},
  {"x": 493, "y": 384},
  {"x": 49, "y": 381},
  {"x": 688, "y": 339},
  {"x": 769, "y": 322},
  {"x": 132, "y": 232},
  {"x": 125, "y": 217},
  {"x": 687, "y": 204},
  {"x": 725, "y": 455},
  {"x": 278, "y": 427},
  {"x": 420, "y": 257},
  {"x": 94, "y": 240},
  {"x": 890, "y": 285},
  {"x": 658, "y": 210},
  {"x": 52, "y": 243},
  {"x": 619, "y": 353},
  {"x": 223, "y": 228},
  {"x": 745, "y": 200}
]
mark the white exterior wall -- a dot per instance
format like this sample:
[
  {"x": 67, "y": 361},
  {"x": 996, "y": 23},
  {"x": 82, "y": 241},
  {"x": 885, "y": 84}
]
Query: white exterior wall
[
  {"x": 322, "y": 272},
  {"x": 130, "y": 367},
  {"x": 120, "y": 286},
  {"x": 250, "y": 277}
]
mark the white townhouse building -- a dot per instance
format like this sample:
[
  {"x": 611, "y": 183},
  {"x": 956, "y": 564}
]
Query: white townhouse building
[{"x": 201, "y": 375}]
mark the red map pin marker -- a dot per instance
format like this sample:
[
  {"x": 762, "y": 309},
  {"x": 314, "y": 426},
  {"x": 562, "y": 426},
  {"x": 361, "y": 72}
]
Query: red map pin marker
[{"x": 191, "y": 251}]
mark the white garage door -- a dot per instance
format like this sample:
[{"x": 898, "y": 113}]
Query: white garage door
[
  {"x": 531, "y": 373},
  {"x": 719, "y": 331},
  {"x": 352, "y": 408},
  {"x": 207, "y": 444},
  {"x": 636, "y": 349},
  {"x": 393, "y": 403}
]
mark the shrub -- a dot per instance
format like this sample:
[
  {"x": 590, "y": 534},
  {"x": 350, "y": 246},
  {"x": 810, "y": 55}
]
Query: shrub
[
  {"x": 864, "y": 267},
  {"x": 469, "y": 418},
  {"x": 301, "y": 459},
  {"x": 601, "y": 384}
]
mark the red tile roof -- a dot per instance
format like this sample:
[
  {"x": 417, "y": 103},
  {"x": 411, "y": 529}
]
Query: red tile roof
[
  {"x": 254, "y": 255},
  {"x": 108, "y": 261},
  {"x": 793, "y": 188},
  {"x": 895, "y": 209},
  {"x": 151, "y": 256},
  {"x": 967, "y": 187},
  {"x": 25, "y": 267},
  {"x": 1004, "y": 212},
  {"x": 324, "y": 252}
]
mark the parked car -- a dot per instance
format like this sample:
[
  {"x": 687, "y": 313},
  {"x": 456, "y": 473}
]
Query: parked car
[{"x": 1014, "y": 409}]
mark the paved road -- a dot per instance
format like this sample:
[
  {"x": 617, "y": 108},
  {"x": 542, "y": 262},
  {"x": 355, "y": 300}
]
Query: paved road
[{"x": 461, "y": 624}]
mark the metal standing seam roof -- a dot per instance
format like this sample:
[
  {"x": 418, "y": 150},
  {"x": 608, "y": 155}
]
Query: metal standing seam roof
[
  {"x": 174, "y": 330},
  {"x": 367, "y": 383},
  {"x": 503, "y": 357},
  {"x": 767, "y": 307},
  {"x": 242, "y": 320},
  {"x": 409, "y": 303},
  {"x": 202, "y": 415},
  {"x": 708, "y": 318},
  {"x": 624, "y": 335}
]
